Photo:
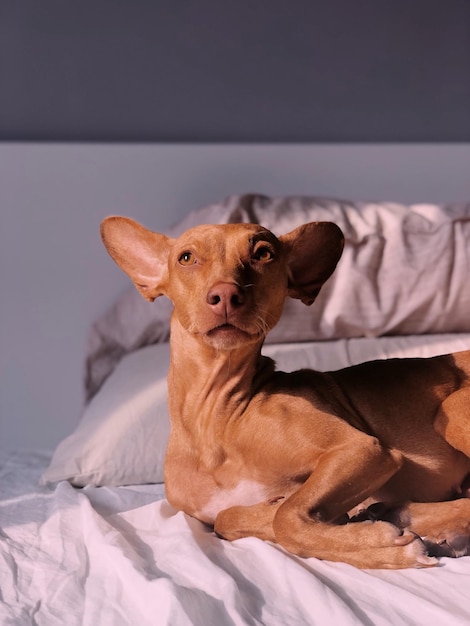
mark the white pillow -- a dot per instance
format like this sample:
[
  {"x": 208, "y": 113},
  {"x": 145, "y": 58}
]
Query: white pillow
[{"x": 121, "y": 438}]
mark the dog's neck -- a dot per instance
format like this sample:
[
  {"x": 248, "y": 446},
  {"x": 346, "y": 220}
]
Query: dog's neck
[{"x": 208, "y": 387}]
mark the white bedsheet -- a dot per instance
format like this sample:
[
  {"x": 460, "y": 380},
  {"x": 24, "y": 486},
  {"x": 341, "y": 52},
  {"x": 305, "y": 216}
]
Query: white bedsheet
[{"x": 111, "y": 556}]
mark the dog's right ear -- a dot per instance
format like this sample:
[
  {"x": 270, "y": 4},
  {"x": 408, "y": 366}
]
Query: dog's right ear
[{"x": 140, "y": 253}]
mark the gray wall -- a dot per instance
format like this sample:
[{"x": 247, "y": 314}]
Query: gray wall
[{"x": 248, "y": 71}]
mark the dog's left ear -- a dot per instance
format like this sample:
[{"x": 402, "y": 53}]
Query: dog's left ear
[{"x": 313, "y": 251}]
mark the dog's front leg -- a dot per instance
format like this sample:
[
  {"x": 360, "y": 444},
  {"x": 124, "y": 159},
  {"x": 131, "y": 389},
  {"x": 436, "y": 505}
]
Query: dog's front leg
[
  {"x": 329, "y": 492},
  {"x": 310, "y": 521},
  {"x": 307, "y": 523}
]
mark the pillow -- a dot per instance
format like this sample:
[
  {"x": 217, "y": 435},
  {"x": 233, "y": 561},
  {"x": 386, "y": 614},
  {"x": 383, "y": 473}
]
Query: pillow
[
  {"x": 404, "y": 271},
  {"x": 122, "y": 436}
]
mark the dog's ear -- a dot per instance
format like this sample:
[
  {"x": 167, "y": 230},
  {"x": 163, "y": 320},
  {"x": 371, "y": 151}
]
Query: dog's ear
[
  {"x": 141, "y": 253},
  {"x": 313, "y": 250}
]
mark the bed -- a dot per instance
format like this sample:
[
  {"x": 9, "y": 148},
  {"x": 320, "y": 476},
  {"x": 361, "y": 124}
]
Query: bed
[{"x": 86, "y": 535}]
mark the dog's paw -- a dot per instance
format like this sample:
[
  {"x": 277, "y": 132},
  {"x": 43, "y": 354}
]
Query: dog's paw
[
  {"x": 396, "y": 548},
  {"x": 227, "y": 523},
  {"x": 391, "y": 549},
  {"x": 415, "y": 554},
  {"x": 450, "y": 535},
  {"x": 402, "y": 549},
  {"x": 451, "y": 544},
  {"x": 443, "y": 536},
  {"x": 247, "y": 521}
]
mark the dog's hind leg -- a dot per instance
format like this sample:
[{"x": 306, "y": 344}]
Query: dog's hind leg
[
  {"x": 443, "y": 526},
  {"x": 453, "y": 420}
]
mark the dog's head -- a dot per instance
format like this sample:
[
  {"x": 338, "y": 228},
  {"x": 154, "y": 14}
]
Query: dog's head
[{"x": 227, "y": 282}]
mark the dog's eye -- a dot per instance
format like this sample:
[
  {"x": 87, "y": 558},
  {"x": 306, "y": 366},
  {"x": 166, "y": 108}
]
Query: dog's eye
[
  {"x": 187, "y": 258},
  {"x": 263, "y": 253}
]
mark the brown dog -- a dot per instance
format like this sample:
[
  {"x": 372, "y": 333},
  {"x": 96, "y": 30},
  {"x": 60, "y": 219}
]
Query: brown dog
[{"x": 286, "y": 457}]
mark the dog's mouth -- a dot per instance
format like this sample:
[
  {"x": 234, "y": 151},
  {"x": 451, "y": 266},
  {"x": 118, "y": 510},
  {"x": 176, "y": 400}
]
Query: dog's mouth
[
  {"x": 227, "y": 335},
  {"x": 226, "y": 329}
]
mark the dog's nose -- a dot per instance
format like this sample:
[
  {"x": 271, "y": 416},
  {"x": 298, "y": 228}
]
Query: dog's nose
[{"x": 224, "y": 298}]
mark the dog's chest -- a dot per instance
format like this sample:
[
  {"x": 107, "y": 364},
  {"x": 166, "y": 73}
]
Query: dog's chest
[
  {"x": 202, "y": 493},
  {"x": 245, "y": 493}
]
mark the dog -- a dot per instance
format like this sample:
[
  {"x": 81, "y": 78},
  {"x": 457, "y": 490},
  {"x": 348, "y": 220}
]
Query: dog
[{"x": 368, "y": 465}]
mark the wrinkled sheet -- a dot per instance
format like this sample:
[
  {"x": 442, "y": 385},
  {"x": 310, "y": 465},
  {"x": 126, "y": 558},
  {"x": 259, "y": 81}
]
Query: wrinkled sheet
[{"x": 123, "y": 555}]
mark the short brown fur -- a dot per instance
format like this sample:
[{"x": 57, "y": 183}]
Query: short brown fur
[{"x": 300, "y": 459}]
